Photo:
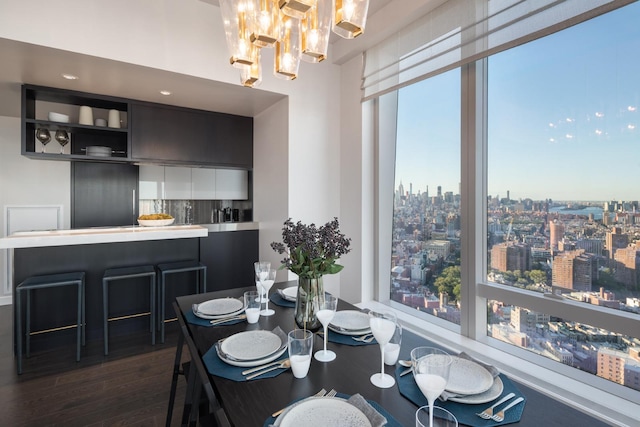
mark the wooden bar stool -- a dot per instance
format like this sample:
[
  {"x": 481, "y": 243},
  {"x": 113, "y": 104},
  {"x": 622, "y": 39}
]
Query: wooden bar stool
[
  {"x": 41, "y": 282},
  {"x": 178, "y": 267},
  {"x": 122, "y": 273}
]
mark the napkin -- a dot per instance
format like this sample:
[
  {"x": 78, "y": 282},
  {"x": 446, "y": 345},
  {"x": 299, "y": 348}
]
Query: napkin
[
  {"x": 195, "y": 320},
  {"x": 375, "y": 418},
  {"x": 492, "y": 369},
  {"x": 337, "y": 338},
  {"x": 277, "y": 299}
]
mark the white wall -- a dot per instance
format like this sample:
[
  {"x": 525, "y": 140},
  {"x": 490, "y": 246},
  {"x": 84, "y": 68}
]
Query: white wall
[
  {"x": 186, "y": 36},
  {"x": 27, "y": 182}
]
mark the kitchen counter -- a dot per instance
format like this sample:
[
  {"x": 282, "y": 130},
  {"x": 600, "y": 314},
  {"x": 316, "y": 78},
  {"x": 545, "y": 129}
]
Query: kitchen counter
[
  {"x": 86, "y": 236},
  {"x": 231, "y": 226}
]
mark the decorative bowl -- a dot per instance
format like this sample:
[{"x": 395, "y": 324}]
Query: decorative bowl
[
  {"x": 155, "y": 222},
  {"x": 58, "y": 117}
]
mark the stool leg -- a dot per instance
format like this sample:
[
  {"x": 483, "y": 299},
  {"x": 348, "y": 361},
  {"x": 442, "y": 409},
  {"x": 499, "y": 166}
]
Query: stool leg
[
  {"x": 105, "y": 315},
  {"x": 79, "y": 323},
  {"x": 204, "y": 280},
  {"x": 162, "y": 314},
  {"x": 152, "y": 308},
  {"x": 84, "y": 314},
  {"x": 28, "y": 325},
  {"x": 18, "y": 320}
]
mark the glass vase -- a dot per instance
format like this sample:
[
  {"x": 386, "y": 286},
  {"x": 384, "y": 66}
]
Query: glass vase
[{"x": 308, "y": 291}]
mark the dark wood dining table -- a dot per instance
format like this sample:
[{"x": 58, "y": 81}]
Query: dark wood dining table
[{"x": 251, "y": 403}]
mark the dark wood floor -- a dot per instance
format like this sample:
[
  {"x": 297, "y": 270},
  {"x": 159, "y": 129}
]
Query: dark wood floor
[{"x": 129, "y": 387}]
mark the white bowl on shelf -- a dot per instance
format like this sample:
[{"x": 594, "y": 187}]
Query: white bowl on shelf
[
  {"x": 98, "y": 151},
  {"x": 58, "y": 117}
]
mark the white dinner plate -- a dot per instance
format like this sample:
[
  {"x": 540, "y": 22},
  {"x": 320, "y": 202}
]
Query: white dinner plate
[
  {"x": 322, "y": 412},
  {"x": 198, "y": 313},
  {"x": 474, "y": 399},
  {"x": 252, "y": 363},
  {"x": 251, "y": 345},
  {"x": 467, "y": 377},
  {"x": 350, "y": 322},
  {"x": 290, "y": 293},
  {"x": 220, "y": 306}
]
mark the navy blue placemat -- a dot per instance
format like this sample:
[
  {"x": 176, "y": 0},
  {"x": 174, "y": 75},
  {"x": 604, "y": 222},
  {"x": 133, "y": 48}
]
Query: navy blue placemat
[
  {"x": 278, "y": 300},
  {"x": 391, "y": 422},
  {"x": 193, "y": 319},
  {"x": 346, "y": 339},
  {"x": 217, "y": 367},
  {"x": 466, "y": 414}
]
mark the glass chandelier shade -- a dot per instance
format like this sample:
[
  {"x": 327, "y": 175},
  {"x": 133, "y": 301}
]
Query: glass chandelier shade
[
  {"x": 265, "y": 23},
  {"x": 251, "y": 76},
  {"x": 316, "y": 28},
  {"x": 236, "y": 17},
  {"x": 350, "y": 17},
  {"x": 297, "y": 29},
  {"x": 287, "y": 49}
]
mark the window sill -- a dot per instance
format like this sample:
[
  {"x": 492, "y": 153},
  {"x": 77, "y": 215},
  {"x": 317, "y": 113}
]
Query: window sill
[{"x": 580, "y": 395}]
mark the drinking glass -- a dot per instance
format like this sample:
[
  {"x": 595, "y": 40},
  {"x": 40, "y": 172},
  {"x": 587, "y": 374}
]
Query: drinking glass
[
  {"x": 383, "y": 326},
  {"x": 44, "y": 136},
  {"x": 62, "y": 136},
  {"x": 325, "y": 310},
  {"x": 266, "y": 284},
  {"x": 252, "y": 306},
  {"x": 441, "y": 417},
  {"x": 392, "y": 349},
  {"x": 300, "y": 346},
  {"x": 431, "y": 368},
  {"x": 262, "y": 270}
]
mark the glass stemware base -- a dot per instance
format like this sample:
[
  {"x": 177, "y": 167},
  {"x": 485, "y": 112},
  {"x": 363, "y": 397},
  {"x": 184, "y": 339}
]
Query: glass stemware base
[
  {"x": 267, "y": 312},
  {"x": 324, "y": 355},
  {"x": 382, "y": 380}
]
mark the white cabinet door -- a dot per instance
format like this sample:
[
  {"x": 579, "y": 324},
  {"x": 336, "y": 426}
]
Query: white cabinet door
[
  {"x": 151, "y": 179},
  {"x": 203, "y": 184},
  {"x": 232, "y": 184},
  {"x": 177, "y": 183}
]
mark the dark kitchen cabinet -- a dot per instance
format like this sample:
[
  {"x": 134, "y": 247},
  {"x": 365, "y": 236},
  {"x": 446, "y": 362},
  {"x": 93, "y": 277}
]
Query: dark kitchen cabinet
[
  {"x": 103, "y": 194},
  {"x": 187, "y": 136},
  {"x": 229, "y": 257}
]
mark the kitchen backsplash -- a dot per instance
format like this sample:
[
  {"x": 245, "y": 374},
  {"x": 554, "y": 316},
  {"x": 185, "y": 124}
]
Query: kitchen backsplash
[{"x": 200, "y": 211}]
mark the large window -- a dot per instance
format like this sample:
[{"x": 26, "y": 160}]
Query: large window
[{"x": 560, "y": 143}]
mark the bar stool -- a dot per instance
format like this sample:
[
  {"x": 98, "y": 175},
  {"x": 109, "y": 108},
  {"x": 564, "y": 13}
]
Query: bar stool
[
  {"x": 48, "y": 281},
  {"x": 178, "y": 267},
  {"x": 122, "y": 273}
]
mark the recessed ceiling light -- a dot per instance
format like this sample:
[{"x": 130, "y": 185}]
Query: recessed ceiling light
[
  {"x": 165, "y": 92},
  {"x": 70, "y": 76}
]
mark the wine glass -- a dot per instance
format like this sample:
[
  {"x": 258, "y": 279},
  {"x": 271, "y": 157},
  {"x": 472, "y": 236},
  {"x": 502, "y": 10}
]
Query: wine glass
[
  {"x": 63, "y": 139},
  {"x": 262, "y": 270},
  {"x": 325, "y": 310},
  {"x": 266, "y": 284},
  {"x": 43, "y": 136},
  {"x": 430, "y": 367},
  {"x": 383, "y": 326}
]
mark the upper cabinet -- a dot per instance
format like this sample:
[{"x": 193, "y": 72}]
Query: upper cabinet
[
  {"x": 186, "y": 136},
  {"x": 62, "y": 124}
]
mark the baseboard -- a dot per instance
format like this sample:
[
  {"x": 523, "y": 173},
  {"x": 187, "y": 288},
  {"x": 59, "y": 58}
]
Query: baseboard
[{"x": 6, "y": 300}]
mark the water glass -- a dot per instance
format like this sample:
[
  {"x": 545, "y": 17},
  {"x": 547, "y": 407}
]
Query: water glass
[
  {"x": 392, "y": 349},
  {"x": 441, "y": 417},
  {"x": 252, "y": 306},
  {"x": 300, "y": 345}
]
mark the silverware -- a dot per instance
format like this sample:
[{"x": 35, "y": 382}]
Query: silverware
[
  {"x": 259, "y": 368},
  {"x": 285, "y": 364},
  {"x": 488, "y": 413},
  {"x": 321, "y": 393},
  {"x": 228, "y": 319},
  {"x": 405, "y": 372},
  {"x": 499, "y": 417},
  {"x": 364, "y": 338}
]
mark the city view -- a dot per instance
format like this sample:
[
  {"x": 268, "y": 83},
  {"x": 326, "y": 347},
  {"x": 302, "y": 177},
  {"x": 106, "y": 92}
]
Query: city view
[{"x": 587, "y": 251}]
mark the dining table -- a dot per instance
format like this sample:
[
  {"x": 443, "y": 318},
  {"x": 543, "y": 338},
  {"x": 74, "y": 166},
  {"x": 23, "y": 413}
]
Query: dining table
[{"x": 251, "y": 403}]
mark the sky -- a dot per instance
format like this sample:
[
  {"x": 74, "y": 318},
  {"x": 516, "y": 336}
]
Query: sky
[{"x": 564, "y": 118}]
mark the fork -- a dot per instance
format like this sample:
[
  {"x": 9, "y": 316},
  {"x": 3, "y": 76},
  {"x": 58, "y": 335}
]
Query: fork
[
  {"x": 286, "y": 364},
  {"x": 364, "y": 338},
  {"x": 488, "y": 413},
  {"x": 499, "y": 417},
  {"x": 321, "y": 393}
]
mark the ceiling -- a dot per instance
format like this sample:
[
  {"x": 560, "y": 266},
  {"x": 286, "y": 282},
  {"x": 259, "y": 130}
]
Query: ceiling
[{"x": 39, "y": 65}]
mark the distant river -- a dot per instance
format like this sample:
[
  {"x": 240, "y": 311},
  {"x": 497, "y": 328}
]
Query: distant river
[{"x": 595, "y": 210}]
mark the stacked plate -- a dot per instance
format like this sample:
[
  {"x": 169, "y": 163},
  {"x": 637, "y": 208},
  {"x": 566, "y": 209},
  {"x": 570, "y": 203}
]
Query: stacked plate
[
  {"x": 252, "y": 348},
  {"x": 218, "y": 308},
  {"x": 350, "y": 322},
  {"x": 323, "y": 411},
  {"x": 289, "y": 294}
]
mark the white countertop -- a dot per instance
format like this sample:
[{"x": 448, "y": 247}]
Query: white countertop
[{"x": 88, "y": 236}]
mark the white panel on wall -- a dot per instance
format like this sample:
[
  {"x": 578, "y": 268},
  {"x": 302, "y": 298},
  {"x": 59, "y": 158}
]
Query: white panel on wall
[
  {"x": 177, "y": 183},
  {"x": 151, "y": 182},
  {"x": 203, "y": 184},
  {"x": 232, "y": 184},
  {"x": 27, "y": 218}
]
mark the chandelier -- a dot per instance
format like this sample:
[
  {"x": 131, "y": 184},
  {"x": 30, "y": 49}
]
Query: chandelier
[{"x": 293, "y": 29}]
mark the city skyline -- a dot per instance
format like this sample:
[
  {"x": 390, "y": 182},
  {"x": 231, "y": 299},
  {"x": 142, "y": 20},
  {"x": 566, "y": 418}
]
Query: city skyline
[{"x": 552, "y": 122}]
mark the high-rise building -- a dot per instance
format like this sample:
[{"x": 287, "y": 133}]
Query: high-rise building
[
  {"x": 627, "y": 269},
  {"x": 511, "y": 256},
  {"x": 615, "y": 240},
  {"x": 556, "y": 232},
  {"x": 574, "y": 270},
  {"x": 620, "y": 367}
]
